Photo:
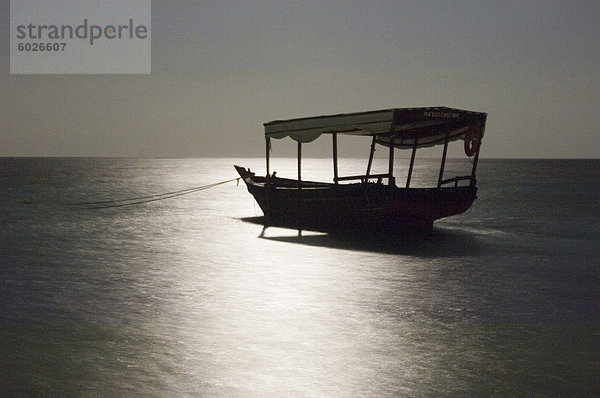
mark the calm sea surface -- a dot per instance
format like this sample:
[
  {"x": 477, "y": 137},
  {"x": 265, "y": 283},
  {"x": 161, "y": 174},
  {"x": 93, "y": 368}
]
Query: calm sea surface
[{"x": 184, "y": 297}]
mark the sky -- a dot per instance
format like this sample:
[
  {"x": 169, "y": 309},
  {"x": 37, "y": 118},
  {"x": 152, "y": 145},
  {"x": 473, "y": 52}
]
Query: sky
[{"x": 220, "y": 69}]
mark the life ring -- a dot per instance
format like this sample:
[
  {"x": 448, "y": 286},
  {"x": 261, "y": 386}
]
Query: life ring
[{"x": 472, "y": 140}]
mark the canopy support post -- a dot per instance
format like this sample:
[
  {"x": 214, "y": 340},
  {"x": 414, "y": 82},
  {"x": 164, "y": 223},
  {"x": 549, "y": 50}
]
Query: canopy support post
[
  {"x": 335, "y": 158},
  {"x": 268, "y": 147},
  {"x": 371, "y": 154},
  {"x": 268, "y": 184},
  {"x": 299, "y": 202},
  {"x": 391, "y": 161},
  {"x": 299, "y": 165},
  {"x": 441, "y": 177},
  {"x": 412, "y": 162}
]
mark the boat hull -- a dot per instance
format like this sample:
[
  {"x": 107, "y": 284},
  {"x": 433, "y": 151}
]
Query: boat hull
[{"x": 347, "y": 208}]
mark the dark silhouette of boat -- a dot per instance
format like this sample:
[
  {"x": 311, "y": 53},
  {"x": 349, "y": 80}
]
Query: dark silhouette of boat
[{"x": 370, "y": 202}]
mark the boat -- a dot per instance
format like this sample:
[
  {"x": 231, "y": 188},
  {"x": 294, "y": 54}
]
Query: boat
[{"x": 370, "y": 202}]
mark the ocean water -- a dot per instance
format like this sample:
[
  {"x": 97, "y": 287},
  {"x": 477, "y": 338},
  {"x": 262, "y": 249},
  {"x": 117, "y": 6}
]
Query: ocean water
[{"x": 184, "y": 297}]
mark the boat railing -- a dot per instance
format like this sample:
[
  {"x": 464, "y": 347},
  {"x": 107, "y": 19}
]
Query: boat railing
[
  {"x": 363, "y": 178},
  {"x": 457, "y": 179}
]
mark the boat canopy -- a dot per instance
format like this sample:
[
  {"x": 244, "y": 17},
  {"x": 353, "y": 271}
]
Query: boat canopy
[{"x": 424, "y": 127}]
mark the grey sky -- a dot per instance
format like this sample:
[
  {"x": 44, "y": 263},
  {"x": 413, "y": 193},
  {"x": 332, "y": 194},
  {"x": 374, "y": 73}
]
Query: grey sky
[{"x": 221, "y": 69}]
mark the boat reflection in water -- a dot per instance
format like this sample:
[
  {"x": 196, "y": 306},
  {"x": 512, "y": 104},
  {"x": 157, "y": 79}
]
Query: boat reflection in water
[{"x": 370, "y": 202}]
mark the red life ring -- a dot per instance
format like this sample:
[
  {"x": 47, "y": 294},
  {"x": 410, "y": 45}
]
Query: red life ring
[{"x": 472, "y": 139}]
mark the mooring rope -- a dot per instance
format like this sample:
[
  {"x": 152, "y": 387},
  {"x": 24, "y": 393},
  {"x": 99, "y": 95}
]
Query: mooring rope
[{"x": 104, "y": 204}]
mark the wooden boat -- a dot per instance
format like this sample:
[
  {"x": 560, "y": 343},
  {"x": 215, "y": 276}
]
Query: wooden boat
[{"x": 370, "y": 202}]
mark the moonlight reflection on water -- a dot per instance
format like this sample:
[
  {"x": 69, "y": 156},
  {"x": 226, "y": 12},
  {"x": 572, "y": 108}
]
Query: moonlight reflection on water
[{"x": 183, "y": 297}]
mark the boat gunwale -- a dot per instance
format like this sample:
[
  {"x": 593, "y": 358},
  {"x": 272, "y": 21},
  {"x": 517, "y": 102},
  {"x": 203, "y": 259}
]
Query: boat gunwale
[{"x": 292, "y": 185}]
